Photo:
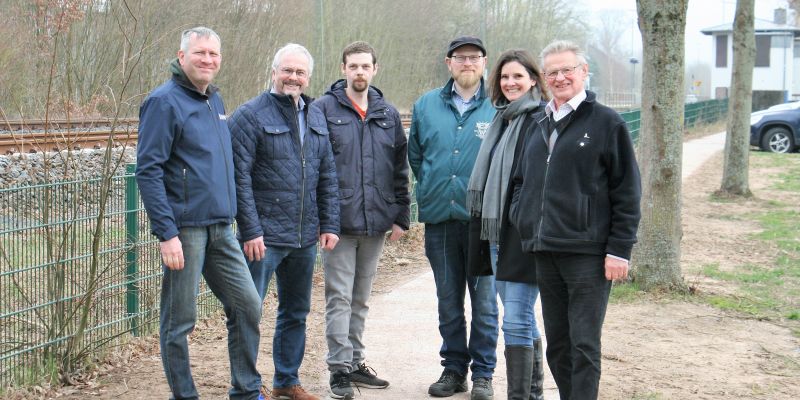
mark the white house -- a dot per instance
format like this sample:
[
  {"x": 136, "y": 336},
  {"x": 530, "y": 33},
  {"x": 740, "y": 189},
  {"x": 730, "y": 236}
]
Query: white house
[{"x": 776, "y": 76}]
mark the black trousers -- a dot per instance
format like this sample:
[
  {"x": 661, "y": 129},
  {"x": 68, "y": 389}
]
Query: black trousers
[{"x": 574, "y": 294}]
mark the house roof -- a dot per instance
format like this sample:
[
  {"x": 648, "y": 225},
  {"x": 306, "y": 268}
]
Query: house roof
[{"x": 761, "y": 26}]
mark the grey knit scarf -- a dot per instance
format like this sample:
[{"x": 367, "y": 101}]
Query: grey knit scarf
[{"x": 488, "y": 184}]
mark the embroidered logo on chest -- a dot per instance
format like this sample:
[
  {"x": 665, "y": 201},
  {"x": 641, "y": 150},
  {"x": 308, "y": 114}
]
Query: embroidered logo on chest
[
  {"x": 481, "y": 128},
  {"x": 585, "y": 140}
]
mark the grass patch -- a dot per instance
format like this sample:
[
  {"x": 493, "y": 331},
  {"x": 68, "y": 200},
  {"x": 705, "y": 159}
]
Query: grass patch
[
  {"x": 769, "y": 290},
  {"x": 628, "y": 292}
]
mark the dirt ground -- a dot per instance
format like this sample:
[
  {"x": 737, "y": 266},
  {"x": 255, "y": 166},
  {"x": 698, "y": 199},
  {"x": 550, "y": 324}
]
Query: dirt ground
[{"x": 655, "y": 347}]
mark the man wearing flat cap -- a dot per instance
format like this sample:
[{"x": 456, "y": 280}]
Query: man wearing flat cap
[{"x": 447, "y": 127}]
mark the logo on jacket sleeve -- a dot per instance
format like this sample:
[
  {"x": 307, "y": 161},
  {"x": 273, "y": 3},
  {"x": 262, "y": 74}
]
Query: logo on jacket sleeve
[
  {"x": 222, "y": 117},
  {"x": 481, "y": 128}
]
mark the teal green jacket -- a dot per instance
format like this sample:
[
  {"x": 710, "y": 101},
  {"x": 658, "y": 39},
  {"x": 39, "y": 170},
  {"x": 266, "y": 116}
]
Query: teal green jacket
[{"x": 442, "y": 148}]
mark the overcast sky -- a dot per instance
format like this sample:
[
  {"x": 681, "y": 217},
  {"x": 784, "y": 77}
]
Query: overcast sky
[{"x": 700, "y": 15}]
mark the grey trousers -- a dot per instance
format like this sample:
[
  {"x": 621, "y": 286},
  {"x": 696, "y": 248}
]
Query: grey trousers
[{"x": 349, "y": 272}]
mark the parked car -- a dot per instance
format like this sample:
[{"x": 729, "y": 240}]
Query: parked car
[{"x": 776, "y": 129}]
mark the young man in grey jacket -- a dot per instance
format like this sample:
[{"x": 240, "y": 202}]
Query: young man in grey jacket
[{"x": 370, "y": 149}]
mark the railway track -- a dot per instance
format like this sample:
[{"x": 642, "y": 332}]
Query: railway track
[{"x": 30, "y": 136}]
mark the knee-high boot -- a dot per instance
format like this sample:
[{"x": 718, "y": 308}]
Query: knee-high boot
[
  {"x": 537, "y": 373},
  {"x": 519, "y": 361}
]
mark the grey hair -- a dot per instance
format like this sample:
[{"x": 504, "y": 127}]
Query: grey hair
[
  {"x": 292, "y": 48},
  {"x": 200, "y": 32},
  {"x": 561, "y": 46}
]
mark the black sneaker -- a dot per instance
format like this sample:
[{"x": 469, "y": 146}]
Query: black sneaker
[
  {"x": 482, "y": 389},
  {"x": 340, "y": 385},
  {"x": 366, "y": 377},
  {"x": 449, "y": 383}
]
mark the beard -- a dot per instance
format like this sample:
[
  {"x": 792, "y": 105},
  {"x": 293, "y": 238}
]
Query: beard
[
  {"x": 468, "y": 80},
  {"x": 360, "y": 85}
]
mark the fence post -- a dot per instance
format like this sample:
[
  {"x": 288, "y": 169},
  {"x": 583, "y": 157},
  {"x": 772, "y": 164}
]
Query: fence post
[{"x": 131, "y": 240}]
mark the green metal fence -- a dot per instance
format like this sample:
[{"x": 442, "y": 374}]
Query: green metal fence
[
  {"x": 703, "y": 112},
  {"x": 54, "y": 284}
]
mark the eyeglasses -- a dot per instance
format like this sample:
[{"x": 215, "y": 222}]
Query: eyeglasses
[
  {"x": 463, "y": 59},
  {"x": 289, "y": 71},
  {"x": 567, "y": 72}
]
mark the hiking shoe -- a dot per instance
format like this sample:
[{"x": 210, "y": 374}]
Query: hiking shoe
[
  {"x": 295, "y": 392},
  {"x": 340, "y": 385},
  {"x": 482, "y": 389},
  {"x": 366, "y": 377},
  {"x": 449, "y": 383}
]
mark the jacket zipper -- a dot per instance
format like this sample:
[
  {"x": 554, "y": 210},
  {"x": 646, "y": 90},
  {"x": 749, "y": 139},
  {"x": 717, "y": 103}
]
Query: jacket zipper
[
  {"x": 215, "y": 118},
  {"x": 536, "y": 245},
  {"x": 303, "y": 179},
  {"x": 185, "y": 193},
  {"x": 364, "y": 131}
]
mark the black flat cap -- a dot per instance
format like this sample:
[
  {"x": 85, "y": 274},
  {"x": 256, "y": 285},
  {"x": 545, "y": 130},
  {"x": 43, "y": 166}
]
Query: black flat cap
[{"x": 463, "y": 41}]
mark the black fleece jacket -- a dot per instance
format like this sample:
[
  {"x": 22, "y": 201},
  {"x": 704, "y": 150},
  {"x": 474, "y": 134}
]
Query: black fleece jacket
[{"x": 584, "y": 197}]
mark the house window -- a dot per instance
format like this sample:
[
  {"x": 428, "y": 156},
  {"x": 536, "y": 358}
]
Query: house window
[
  {"x": 763, "y": 46},
  {"x": 722, "y": 51}
]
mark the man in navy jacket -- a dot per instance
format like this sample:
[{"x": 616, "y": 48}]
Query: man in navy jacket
[
  {"x": 288, "y": 199},
  {"x": 185, "y": 177},
  {"x": 369, "y": 147}
]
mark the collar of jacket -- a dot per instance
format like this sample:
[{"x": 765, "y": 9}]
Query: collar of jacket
[
  {"x": 285, "y": 100},
  {"x": 182, "y": 80},
  {"x": 541, "y": 116},
  {"x": 447, "y": 90},
  {"x": 375, "y": 102}
]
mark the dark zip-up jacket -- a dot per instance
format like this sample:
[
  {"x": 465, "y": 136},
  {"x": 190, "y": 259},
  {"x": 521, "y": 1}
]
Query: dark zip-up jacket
[
  {"x": 584, "y": 197},
  {"x": 286, "y": 191},
  {"x": 371, "y": 161},
  {"x": 184, "y": 160}
]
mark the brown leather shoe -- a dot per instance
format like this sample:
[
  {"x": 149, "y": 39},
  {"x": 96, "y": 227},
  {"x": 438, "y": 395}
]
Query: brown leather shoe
[{"x": 292, "y": 393}]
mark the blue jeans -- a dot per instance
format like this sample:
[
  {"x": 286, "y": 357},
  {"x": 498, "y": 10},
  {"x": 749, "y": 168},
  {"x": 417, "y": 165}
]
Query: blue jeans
[
  {"x": 519, "y": 319},
  {"x": 574, "y": 300},
  {"x": 446, "y": 249},
  {"x": 294, "y": 269},
  {"x": 213, "y": 252}
]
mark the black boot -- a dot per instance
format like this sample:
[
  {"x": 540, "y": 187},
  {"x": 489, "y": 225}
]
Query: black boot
[
  {"x": 537, "y": 375},
  {"x": 519, "y": 361}
]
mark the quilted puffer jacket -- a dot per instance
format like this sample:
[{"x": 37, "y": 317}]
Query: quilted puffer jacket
[{"x": 286, "y": 191}]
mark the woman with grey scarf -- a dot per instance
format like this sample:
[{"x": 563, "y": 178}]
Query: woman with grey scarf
[{"x": 517, "y": 91}]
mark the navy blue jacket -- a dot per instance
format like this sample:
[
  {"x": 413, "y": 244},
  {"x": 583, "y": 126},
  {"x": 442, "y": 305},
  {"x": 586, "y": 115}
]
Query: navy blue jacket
[
  {"x": 286, "y": 191},
  {"x": 184, "y": 160},
  {"x": 584, "y": 196},
  {"x": 371, "y": 161}
]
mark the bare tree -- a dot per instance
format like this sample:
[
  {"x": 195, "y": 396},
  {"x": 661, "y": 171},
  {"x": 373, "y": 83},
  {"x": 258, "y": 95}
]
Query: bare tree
[
  {"x": 656, "y": 258},
  {"x": 737, "y": 143}
]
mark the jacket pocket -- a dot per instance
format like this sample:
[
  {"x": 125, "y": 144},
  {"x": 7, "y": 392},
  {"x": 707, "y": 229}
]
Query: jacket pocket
[
  {"x": 584, "y": 213},
  {"x": 278, "y": 141},
  {"x": 385, "y": 133},
  {"x": 341, "y": 132}
]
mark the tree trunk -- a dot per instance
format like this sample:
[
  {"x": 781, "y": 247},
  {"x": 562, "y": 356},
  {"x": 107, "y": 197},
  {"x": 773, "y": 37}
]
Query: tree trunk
[
  {"x": 737, "y": 143},
  {"x": 656, "y": 258}
]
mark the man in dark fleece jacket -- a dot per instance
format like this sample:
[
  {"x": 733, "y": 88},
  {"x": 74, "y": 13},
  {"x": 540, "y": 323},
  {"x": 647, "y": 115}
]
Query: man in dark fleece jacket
[
  {"x": 576, "y": 206},
  {"x": 185, "y": 176}
]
